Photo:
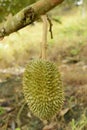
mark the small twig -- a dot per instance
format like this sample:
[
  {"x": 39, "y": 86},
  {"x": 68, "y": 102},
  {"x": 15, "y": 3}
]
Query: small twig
[
  {"x": 19, "y": 114},
  {"x": 6, "y": 125},
  {"x": 51, "y": 126},
  {"x": 13, "y": 125},
  {"x": 50, "y": 28}
]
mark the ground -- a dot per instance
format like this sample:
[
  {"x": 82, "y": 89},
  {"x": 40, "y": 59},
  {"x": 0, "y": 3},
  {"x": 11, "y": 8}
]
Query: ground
[{"x": 68, "y": 49}]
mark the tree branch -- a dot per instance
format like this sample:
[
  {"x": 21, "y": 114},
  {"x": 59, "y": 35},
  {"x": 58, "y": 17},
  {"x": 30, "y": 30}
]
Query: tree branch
[{"x": 27, "y": 16}]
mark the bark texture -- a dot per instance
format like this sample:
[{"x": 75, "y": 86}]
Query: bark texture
[{"x": 27, "y": 16}]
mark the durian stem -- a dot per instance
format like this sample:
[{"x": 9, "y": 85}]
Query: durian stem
[{"x": 44, "y": 37}]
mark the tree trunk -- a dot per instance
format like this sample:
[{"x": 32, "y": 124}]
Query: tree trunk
[{"x": 27, "y": 16}]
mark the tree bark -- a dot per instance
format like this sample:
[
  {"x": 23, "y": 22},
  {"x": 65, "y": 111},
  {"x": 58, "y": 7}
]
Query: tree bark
[{"x": 27, "y": 16}]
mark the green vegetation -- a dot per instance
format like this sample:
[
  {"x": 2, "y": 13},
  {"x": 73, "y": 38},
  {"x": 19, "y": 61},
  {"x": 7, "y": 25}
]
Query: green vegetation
[
  {"x": 12, "y": 7},
  {"x": 2, "y": 111},
  {"x": 79, "y": 125}
]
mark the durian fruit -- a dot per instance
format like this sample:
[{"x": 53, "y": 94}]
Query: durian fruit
[{"x": 42, "y": 87}]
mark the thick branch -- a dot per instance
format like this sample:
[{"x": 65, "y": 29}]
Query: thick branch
[{"x": 27, "y": 16}]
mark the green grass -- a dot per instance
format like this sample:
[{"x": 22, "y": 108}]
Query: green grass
[{"x": 79, "y": 125}]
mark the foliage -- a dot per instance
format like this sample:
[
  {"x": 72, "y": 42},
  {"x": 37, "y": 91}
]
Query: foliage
[
  {"x": 2, "y": 111},
  {"x": 79, "y": 125},
  {"x": 17, "y": 129},
  {"x": 12, "y": 6}
]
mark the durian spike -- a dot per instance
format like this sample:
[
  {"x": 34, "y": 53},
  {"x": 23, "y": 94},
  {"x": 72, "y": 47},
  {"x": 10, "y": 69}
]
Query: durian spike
[{"x": 44, "y": 37}]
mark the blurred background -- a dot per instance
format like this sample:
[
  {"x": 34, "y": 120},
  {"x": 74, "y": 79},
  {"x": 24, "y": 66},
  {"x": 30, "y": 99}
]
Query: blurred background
[{"x": 68, "y": 49}]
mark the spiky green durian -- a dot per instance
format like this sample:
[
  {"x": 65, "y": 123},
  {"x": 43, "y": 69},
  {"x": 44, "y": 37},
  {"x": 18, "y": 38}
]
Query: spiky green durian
[{"x": 42, "y": 87}]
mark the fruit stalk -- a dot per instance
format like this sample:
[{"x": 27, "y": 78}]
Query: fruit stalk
[{"x": 44, "y": 37}]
